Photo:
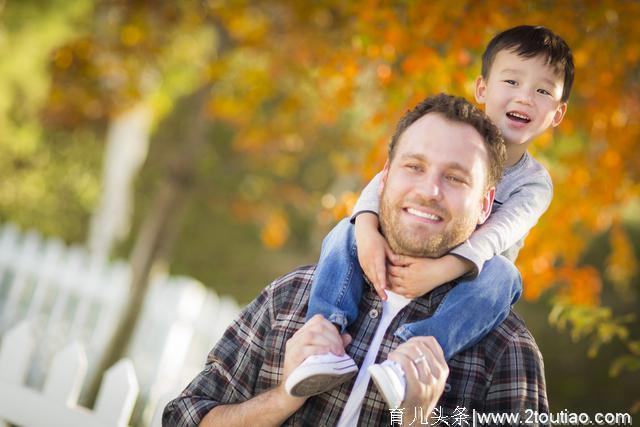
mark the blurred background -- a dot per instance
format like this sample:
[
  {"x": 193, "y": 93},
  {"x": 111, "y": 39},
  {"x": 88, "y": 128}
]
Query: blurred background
[{"x": 216, "y": 142}]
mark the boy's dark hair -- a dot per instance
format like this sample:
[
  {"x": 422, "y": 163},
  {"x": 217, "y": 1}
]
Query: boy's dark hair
[
  {"x": 459, "y": 110},
  {"x": 529, "y": 41}
]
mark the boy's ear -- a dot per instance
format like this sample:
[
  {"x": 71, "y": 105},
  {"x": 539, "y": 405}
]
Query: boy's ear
[
  {"x": 486, "y": 204},
  {"x": 383, "y": 181},
  {"x": 481, "y": 87},
  {"x": 559, "y": 114}
]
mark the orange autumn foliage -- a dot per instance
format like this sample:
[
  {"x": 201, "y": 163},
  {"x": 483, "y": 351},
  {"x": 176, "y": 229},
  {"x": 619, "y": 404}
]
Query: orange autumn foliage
[
  {"x": 299, "y": 81},
  {"x": 592, "y": 157}
]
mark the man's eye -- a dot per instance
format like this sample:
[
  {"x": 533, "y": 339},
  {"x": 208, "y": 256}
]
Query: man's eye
[
  {"x": 455, "y": 179},
  {"x": 413, "y": 167}
]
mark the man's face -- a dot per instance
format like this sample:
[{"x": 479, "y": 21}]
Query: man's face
[
  {"x": 521, "y": 96},
  {"x": 434, "y": 190}
]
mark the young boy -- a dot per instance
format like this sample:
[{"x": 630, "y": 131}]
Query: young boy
[{"x": 527, "y": 73}]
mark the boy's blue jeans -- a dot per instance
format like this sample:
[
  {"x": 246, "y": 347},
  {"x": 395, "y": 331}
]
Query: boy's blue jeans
[{"x": 467, "y": 313}]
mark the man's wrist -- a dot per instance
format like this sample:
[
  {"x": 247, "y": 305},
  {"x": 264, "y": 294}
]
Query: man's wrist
[
  {"x": 284, "y": 401},
  {"x": 270, "y": 408}
]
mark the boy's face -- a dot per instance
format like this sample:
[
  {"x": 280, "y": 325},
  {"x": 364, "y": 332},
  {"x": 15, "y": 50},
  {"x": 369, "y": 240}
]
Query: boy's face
[{"x": 521, "y": 96}]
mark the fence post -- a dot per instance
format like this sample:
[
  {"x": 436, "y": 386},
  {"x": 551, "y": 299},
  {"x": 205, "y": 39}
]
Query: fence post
[
  {"x": 15, "y": 356},
  {"x": 117, "y": 395},
  {"x": 57, "y": 403},
  {"x": 24, "y": 260},
  {"x": 15, "y": 353},
  {"x": 66, "y": 375}
]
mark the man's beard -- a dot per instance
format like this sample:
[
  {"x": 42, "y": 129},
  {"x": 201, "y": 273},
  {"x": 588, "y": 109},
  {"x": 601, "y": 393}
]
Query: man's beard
[{"x": 404, "y": 241}]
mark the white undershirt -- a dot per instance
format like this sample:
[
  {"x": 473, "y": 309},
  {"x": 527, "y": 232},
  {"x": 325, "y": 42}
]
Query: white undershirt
[{"x": 390, "y": 308}]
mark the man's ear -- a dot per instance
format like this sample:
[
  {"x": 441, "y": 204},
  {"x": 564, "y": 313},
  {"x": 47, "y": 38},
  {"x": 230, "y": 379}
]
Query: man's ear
[
  {"x": 486, "y": 204},
  {"x": 481, "y": 88},
  {"x": 559, "y": 114},
  {"x": 383, "y": 181}
]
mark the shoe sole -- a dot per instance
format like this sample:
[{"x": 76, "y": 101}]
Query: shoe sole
[
  {"x": 312, "y": 383},
  {"x": 381, "y": 379}
]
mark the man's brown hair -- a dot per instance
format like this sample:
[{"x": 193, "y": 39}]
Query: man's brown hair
[{"x": 459, "y": 110}]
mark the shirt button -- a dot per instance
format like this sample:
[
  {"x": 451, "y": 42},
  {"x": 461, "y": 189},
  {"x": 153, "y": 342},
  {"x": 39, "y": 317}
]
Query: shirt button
[
  {"x": 447, "y": 387},
  {"x": 373, "y": 313}
]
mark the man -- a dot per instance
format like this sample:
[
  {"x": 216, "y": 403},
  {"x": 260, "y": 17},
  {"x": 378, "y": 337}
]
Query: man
[{"x": 436, "y": 189}]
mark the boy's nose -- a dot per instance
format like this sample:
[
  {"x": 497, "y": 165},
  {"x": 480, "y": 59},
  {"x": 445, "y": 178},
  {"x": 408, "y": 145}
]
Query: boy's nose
[{"x": 524, "y": 97}]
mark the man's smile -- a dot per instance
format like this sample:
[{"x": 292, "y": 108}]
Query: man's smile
[{"x": 424, "y": 214}]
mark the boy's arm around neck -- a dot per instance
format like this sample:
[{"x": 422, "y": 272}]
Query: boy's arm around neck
[
  {"x": 369, "y": 200},
  {"x": 511, "y": 221}
]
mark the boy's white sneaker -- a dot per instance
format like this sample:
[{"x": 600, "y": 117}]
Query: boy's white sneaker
[
  {"x": 320, "y": 373},
  {"x": 389, "y": 378}
]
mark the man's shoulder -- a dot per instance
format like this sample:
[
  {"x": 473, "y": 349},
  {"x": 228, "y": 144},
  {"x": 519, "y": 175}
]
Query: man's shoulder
[
  {"x": 500, "y": 346},
  {"x": 510, "y": 344},
  {"x": 291, "y": 288},
  {"x": 504, "y": 371},
  {"x": 506, "y": 355},
  {"x": 513, "y": 327},
  {"x": 299, "y": 277}
]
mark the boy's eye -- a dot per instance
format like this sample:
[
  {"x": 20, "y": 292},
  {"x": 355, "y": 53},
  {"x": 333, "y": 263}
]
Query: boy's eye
[
  {"x": 544, "y": 92},
  {"x": 511, "y": 82}
]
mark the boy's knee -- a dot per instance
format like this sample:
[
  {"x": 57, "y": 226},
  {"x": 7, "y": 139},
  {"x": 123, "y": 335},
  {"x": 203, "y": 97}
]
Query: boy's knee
[
  {"x": 499, "y": 265},
  {"x": 344, "y": 225},
  {"x": 342, "y": 230}
]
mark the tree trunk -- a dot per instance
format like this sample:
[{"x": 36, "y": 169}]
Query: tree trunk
[
  {"x": 126, "y": 151},
  {"x": 156, "y": 234}
]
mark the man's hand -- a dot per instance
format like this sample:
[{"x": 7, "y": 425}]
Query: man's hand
[
  {"x": 274, "y": 406},
  {"x": 373, "y": 251},
  {"x": 317, "y": 336},
  {"x": 412, "y": 277},
  {"x": 425, "y": 371}
]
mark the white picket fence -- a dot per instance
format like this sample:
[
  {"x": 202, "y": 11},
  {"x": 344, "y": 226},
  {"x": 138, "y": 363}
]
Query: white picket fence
[
  {"x": 68, "y": 296},
  {"x": 57, "y": 404}
]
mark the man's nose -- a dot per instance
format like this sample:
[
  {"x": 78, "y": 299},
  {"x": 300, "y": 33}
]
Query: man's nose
[{"x": 430, "y": 187}]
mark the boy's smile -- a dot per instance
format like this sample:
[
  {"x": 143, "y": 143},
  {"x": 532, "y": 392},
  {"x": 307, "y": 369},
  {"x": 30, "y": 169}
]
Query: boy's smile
[{"x": 523, "y": 98}]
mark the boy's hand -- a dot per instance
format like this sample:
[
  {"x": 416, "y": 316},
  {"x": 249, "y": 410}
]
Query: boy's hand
[
  {"x": 373, "y": 251},
  {"x": 412, "y": 277}
]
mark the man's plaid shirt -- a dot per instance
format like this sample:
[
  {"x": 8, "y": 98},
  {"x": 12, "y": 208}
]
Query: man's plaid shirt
[{"x": 503, "y": 373}]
